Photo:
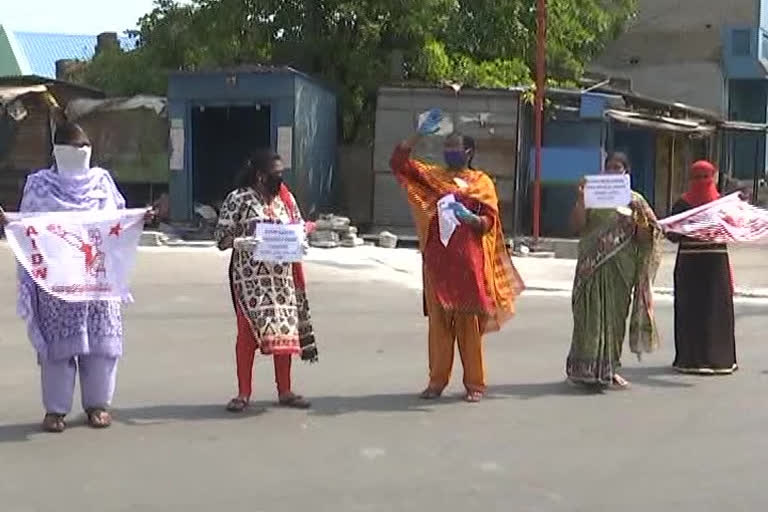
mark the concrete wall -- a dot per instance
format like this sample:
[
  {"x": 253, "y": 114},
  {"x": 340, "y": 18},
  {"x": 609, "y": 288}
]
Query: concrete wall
[
  {"x": 491, "y": 117},
  {"x": 353, "y": 186},
  {"x": 673, "y": 50}
]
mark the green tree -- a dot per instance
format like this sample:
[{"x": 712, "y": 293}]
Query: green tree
[{"x": 350, "y": 43}]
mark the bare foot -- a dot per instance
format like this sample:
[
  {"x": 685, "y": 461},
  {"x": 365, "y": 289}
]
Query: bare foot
[
  {"x": 474, "y": 397},
  {"x": 620, "y": 382}
]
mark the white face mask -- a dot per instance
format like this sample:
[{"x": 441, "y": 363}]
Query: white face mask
[{"x": 71, "y": 160}]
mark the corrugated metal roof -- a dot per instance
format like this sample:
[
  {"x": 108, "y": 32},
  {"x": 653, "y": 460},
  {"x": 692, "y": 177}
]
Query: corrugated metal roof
[
  {"x": 8, "y": 94},
  {"x": 41, "y": 51}
]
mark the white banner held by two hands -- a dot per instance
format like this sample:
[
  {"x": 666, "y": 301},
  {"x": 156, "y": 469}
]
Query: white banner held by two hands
[
  {"x": 725, "y": 220},
  {"x": 78, "y": 256}
]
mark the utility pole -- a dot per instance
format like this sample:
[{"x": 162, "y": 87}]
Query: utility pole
[{"x": 541, "y": 72}]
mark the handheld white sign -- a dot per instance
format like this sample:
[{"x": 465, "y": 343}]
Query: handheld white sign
[
  {"x": 607, "y": 191},
  {"x": 280, "y": 243}
]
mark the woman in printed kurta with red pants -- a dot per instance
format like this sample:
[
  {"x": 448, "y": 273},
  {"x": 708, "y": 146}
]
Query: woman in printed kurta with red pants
[{"x": 269, "y": 298}]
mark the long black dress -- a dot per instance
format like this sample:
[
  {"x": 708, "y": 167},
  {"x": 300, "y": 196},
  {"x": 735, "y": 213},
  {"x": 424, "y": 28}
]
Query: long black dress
[{"x": 704, "y": 318}]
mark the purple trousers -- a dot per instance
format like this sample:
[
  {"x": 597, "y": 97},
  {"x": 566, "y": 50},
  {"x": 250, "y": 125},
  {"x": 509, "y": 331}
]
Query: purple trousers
[{"x": 98, "y": 375}]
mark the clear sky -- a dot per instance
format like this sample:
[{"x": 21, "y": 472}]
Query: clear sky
[{"x": 73, "y": 16}]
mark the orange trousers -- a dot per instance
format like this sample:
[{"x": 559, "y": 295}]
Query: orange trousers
[
  {"x": 446, "y": 328},
  {"x": 245, "y": 352}
]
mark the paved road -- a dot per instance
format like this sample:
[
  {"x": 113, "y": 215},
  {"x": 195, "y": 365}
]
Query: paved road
[{"x": 671, "y": 443}]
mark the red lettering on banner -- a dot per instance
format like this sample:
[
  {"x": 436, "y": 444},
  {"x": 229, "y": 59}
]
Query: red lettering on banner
[
  {"x": 37, "y": 259},
  {"x": 31, "y": 231},
  {"x": 40, "y": 273},
  {"x": 34, "y": 244}
]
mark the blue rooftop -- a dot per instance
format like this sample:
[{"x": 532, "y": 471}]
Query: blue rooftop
[{"x": 41, "y": 51}]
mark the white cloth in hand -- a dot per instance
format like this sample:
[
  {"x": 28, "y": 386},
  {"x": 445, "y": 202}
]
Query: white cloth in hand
[
  {"x": 246, "y": 243},
  {"x": 446, "y": 218}
]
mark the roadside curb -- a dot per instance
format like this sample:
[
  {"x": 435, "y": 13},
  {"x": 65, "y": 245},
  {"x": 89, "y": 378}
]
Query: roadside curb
[
  {"x": 156, "y": 239},
  {"x": 741, "y": 293}
]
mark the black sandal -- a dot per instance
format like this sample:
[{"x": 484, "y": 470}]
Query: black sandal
[
  {"x": 54, "y": 423},
  {"x": 99, "y": 418},
  {"x": 431, "y": 394},
  {"x": 294, "y": 402},
  {"x": 237, "y": 405}
]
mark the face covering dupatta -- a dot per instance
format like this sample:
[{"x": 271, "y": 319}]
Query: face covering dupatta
[
  {"x": 72, "y": 161},
  {"x": 701, "y": 187}
]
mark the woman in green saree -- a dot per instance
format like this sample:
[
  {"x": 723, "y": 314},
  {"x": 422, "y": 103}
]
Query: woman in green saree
[{"x": 619, "y": 253}]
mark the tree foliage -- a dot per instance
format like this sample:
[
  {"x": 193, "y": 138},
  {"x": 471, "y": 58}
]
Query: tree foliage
[{"x": 350, "y": 43}]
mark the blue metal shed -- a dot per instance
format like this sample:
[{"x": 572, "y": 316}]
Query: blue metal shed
[{"x": 218, "y": 117}]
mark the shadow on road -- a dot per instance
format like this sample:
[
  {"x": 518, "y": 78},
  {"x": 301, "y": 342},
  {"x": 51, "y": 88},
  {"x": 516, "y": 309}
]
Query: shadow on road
[
  {"x": 137, "y": 417},
  {"x": 410, "y": 402},
  {"x": 340, "y": 405},
  {"x": 652, "y": 376},
  {"x": 160, "y": 414},
  {"x": 17, "y": 433}
]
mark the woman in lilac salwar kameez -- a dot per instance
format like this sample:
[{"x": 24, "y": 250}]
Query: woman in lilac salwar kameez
[{"x": 72, "y": 337}]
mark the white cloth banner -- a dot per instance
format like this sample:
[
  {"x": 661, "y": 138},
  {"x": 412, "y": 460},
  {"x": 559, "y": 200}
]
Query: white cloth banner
[
  {"x": 726, "y": 220},
  {"x": 78, "y": 256}
]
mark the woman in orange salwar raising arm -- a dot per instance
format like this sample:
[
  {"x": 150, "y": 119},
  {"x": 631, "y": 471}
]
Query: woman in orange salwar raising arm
[{"x": 470, "y": 284}]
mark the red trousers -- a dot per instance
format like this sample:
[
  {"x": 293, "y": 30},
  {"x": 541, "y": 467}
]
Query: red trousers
[{"x": 245, "y": 351}]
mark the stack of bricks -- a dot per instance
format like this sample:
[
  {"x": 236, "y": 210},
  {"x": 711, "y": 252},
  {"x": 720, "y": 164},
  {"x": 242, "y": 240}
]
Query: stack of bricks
[{"x": 334, "y": 231}]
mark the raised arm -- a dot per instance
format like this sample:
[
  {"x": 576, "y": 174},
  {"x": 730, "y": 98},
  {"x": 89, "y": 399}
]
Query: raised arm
[{"x": 403, "y": 166}]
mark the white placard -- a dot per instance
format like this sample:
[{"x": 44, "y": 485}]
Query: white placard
[
  {"x": 285, "y": 145},
  {"x": 281, "y": 243},
  {"x": 607, "y": 191},
  {"x": 177, "y": 145}
]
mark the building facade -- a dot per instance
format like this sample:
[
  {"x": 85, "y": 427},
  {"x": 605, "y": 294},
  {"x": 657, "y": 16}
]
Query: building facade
[{"x": 709, "y": 54}]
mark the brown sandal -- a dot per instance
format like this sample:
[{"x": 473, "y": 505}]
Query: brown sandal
[
  {"x": 431, "y": 394},
  {"x": 98, "y": 418},
  {"x": 237, "y": 405},
  {"x": 54, "y": 423},
  {"x": 294, "y": 402}
]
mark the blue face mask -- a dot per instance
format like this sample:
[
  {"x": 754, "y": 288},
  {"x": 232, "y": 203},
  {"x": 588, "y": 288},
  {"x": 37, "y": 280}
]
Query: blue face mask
[{"x": 455, "y": 158}]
